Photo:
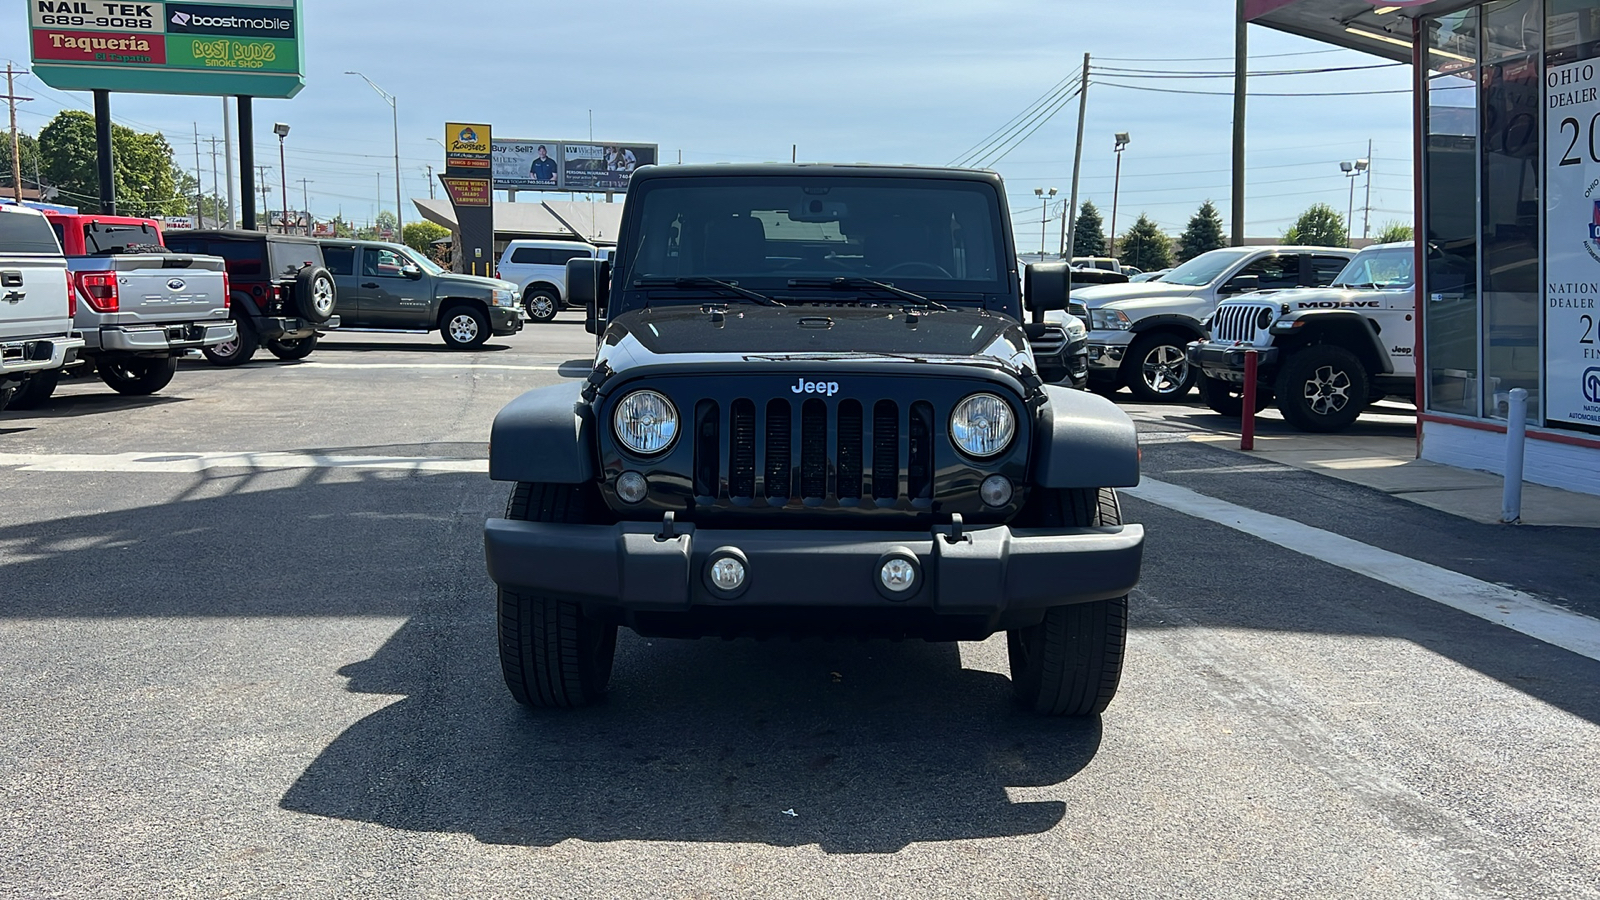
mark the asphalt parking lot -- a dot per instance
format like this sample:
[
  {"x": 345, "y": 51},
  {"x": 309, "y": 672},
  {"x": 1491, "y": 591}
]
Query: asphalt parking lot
[{"x": 249, "y": 652}]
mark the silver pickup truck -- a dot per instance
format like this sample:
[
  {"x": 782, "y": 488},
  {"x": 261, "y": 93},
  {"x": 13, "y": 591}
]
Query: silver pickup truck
[
  {"x": 36, "y": 337},
  {"x": 140, "y": 307}
]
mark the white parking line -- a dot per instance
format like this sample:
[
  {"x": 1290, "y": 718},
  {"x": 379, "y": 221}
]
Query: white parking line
[
  {"x": 189, "y": 463},
  {"x": 1515, "y": 610}
]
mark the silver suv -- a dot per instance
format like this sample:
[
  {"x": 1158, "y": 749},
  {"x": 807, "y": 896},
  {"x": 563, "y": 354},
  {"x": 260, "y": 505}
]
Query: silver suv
[{"x": 539, "y": 270}]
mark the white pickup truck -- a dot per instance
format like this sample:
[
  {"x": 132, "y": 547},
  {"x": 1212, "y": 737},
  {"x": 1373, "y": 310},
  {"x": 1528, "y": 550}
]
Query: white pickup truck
[
  {"x": 140, "y": 307},
  {"x": 36, "y": 304},
  {"x": 1138, "y": 332}
]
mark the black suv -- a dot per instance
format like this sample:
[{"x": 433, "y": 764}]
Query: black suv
[
  {"x": 814, "y": 409},
  {"x": 280, "y": 292}
]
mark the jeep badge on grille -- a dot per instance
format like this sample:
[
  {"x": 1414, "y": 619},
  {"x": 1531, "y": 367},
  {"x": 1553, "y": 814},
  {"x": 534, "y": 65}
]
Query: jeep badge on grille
[{"x": 816, "y": 387}]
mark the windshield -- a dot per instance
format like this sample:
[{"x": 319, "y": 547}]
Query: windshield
[
  {"x": 788, "y": 233},
  {"x": 1389, "y": 267},
  {"x": 1205, "y": 268},
  {"x": 417, "y": 259}
]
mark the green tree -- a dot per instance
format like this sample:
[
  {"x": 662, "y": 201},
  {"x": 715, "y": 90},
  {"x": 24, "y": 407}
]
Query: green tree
[
  {"x": 1319, "y": 226},
  {"x": 1089, "y": 234},
  {"x": 1145, "y": 246},
  {"x": 386, "y": 221},
  {"x": 144, "y": 180},
  {"x": 1395, "y": 231},
  {"x": 420, "y": 236},
  {"x": 1203, "y": 234},
  {"x": 31, "y": 166}
]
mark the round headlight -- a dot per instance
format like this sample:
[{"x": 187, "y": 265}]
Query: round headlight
[
  {"x": 646, "y": 422},
  {"x": 982, "y": 425}
]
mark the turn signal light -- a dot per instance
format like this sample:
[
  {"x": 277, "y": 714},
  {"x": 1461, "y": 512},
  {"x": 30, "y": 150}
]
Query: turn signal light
[
  {"x": 72, "y": 298},
  {"x": 99, "y": 290}
]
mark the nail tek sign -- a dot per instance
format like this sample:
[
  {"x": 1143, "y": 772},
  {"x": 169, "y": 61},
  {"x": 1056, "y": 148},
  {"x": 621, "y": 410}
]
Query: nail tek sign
[{"x": 247, "y": 47}]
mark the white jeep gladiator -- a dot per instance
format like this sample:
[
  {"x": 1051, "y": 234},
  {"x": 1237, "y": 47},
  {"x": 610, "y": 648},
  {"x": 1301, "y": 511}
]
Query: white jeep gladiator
[
  {"x": 36, "y": 304},
  {"x": 1138, "y": 331},
  {"x": 1323, "y": 354}
]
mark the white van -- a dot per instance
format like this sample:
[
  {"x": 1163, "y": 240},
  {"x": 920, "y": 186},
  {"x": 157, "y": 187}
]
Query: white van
[{"x": 539, "y": 270}]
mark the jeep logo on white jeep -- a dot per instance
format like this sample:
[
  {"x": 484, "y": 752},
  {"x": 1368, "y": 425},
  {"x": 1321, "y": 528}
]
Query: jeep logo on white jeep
[{"x": 816, "y": 387}]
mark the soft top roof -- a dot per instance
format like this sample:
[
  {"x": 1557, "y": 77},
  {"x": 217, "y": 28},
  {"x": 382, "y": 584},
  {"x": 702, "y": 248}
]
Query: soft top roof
[
  {"x": 237, "y": 234},
  {"x": 813, "y": 170}
]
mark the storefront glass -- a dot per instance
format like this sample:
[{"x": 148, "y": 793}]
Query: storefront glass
[{"x": 1451, "y": 167}]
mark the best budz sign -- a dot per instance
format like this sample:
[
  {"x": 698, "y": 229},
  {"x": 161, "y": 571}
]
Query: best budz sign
[
  {"x": 1572, "y": 246},
  {"x": 246, "y": 48}
]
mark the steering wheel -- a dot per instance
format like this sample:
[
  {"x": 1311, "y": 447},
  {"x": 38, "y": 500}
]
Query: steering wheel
[{"x": 926, "y": 267}]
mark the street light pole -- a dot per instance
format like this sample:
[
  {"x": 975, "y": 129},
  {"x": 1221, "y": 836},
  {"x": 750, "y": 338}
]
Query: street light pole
[
  {"x": 282, "y": 131},
  {"x": 394, "y": 109},
  {"x": 1116, "y": 189},
  {"x": 1351, "y": 170},
  {"x": 1044, "y": 215}
]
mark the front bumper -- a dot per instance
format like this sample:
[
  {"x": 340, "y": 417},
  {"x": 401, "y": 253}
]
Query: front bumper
[
  {"x": 27, "y": 356},
  {"x": 1225, "y": 362},
  {"x": 280, "y": 328},
  {"x": 505, "y": 320},
  {"x": 988, "y": 571},
  {"x": 166, "y": 338},
  {"x": 1107, "y": 349}
]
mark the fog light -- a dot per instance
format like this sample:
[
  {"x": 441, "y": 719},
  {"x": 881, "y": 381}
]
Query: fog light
[
  {"x": 996, "y": 491},
  {"x": 898, "y": 575},
  {"x": 632, "y": 487},
  {"x": 727, "y": 574}
]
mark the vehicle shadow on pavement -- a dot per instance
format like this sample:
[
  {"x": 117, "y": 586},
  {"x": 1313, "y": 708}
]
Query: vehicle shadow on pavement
[
  {"x": 425, "y": 343},
  {"x": 858, "y": 747},
  {"x": 68, "y": 405}
]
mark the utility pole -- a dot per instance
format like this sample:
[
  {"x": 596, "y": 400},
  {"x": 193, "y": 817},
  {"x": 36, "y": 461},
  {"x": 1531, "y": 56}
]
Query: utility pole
[
  {"x": 1068, "y": 242},
  {"x": 1366, "y": 213},
  {"x": 431, "y": 195},
  {"x": 16, "y": 141},
  {"x": 1241, "y": 64},
  {"x": 199, "y": 183},
  {"x": 262, "y": 171},
  {"x": 305, "y": 202},
  {"x": 216, "y": 190}
]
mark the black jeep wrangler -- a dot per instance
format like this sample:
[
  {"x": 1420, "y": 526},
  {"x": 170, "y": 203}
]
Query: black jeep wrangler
[
  {"x": 280, "y": 292},
  {"x": 814, "y": 410}
]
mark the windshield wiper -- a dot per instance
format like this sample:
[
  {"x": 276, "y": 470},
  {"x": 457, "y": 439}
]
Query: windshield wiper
[
  {"x": 1357, "y": 286},
  {"x": 856, "y": 282},
  {"x": 702, "y": 281}
]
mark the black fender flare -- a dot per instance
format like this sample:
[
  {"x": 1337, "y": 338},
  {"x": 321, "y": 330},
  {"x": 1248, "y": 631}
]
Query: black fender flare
[
  {"x": 1350, "y": 323},
  {"x": 544, "y": 435},
  {"x": 241, "y": 304},
  {"x": 1170, "y": 322},
  {"x": 1084, "y": 441}
]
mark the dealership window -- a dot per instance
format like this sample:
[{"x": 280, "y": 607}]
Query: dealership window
[
  {"x": 1510, "y": 86},
  {"x": 1450, "y": 316}
]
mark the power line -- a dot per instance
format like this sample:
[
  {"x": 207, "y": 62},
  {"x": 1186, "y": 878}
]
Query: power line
[
  {"x": 1140, "y": 87},
  {"x": 1175, "y": 73},
  {"x": 1041, "y": 122},
  {"x": 1214, "y": 58},
  {"x": 1017, "y": 122}
]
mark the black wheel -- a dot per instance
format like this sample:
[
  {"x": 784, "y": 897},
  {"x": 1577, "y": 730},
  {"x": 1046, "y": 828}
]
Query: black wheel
[
  {"x": 464, "y": 327},
  {"x": 236, "y": 352},
  {"x": 314, "y": 294},
  {"x": 291, "y": 348},
  {"x": 1157, "y": 369},
  {"x": 1071, "y": 663},
  {"x": 542, "y": 304},
  {"x": 138, "y": 376},
  {"x": 1226, "y": 398},
  {"x": 1322, "y": 388},
  {"x": 5, "y": 396},
  {"x": 551, "y": 654},
  {"x": 35, "y": 390}
]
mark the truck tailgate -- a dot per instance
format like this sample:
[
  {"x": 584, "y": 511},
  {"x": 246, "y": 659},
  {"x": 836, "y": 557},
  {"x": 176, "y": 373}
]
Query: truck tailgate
[
  {"x": 33, "y": 297},
  {"x": 159, "y": 288}
]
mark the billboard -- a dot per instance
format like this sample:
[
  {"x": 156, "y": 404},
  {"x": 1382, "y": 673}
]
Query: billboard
[
  {"x": 244, "y": 48},
  {"x": 466, "y": 149},
  {"x": 556, "y": 165}
]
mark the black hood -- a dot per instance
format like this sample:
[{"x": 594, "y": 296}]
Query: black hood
[{"x": 691, "y": 335}]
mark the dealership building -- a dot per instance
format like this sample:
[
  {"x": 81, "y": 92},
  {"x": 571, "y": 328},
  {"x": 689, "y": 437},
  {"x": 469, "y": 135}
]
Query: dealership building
[{"x": 1507, "y": 107}]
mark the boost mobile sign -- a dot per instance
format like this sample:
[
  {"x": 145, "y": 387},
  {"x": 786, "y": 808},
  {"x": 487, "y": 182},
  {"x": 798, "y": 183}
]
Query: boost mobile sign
[
  {"x": 245, "y": 48},
  {"x": 1572, "y": 246}
]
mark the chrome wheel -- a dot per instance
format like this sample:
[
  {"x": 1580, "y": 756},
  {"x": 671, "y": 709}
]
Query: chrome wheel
[
  {"x": 463, "y": 329},
  {"x": 226, "y": 348},
  {"x": 1328, "y": 391},
  {"x": 1165, "y": 369},
  {"x": 541, "y": 307},
  {"x": 322, "y": 297}
]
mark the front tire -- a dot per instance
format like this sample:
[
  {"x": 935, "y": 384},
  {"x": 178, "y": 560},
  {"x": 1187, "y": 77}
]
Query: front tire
[
  {"x": 1226, "y": 398},
  {"x": 464, "y": 327},
  {"x": 1070, "y": 664},
  {"x": 138, "y": 376},
  {"x": 551, "y": 653},
  {"x": 290, "y": 349},
  {"x": 1322, "y": 388},
  {"x": 236, "y": 352},
  {"x": 542, "y": 305},
  {"x": 34, "y": 390},
  {"x": 1157, "y": 369}
]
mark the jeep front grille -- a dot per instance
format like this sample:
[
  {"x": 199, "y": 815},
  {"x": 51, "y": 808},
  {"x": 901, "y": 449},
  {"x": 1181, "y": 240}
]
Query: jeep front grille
[
  {"x": 1236, "y": 323},
  {"x": 815, "y": 450}
]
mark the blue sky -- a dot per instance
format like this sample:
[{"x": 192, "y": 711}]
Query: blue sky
[{"x": 863, "y": 80}]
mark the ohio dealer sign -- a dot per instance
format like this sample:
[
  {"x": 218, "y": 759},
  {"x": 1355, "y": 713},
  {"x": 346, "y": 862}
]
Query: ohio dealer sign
[{"x": 249, "y": 48}]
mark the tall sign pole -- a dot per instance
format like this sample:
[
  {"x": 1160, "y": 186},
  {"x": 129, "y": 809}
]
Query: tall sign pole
[
  {"x": 1069, "y": 241},
  {"x": 102, "y": 144},
  {"x": 468, "y": 181},
  {"x": 1241, "y": 62},
  {"x": 247, "y": 164},
  {"x": 227, "y": 157}
]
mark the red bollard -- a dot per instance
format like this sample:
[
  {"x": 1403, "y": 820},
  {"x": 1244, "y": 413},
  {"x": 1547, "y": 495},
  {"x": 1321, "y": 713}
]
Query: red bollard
[{"x": 1247, "y": 418}]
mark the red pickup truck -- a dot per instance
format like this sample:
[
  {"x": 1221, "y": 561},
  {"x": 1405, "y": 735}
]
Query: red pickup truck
[{"x": 140, "y": 306}]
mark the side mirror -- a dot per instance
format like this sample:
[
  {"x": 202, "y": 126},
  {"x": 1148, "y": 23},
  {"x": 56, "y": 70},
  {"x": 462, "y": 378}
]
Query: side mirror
[
  {"x": 412, "y": 272},
  {"x": 588, "y": 284},
  {"x": 1242, "y": 284},
  {"x": 1045, "y": 286}
]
